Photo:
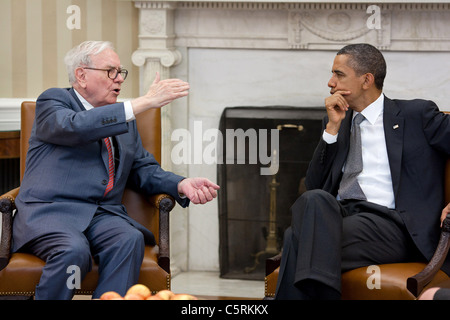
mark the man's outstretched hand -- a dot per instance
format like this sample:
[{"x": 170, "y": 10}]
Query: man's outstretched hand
[{"x": 198, "y": 190}]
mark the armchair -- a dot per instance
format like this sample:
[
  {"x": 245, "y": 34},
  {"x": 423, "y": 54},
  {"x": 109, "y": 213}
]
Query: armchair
[
  {"x": 399, "y": 281},
  {"x": 20, "y": 272}
]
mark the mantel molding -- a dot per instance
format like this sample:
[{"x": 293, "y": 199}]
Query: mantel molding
[
  {"x": 302, "y": 25},
  {"x": 292, "y": 5},
  {"x": 303, "y": 5},
  {"x": 166, "y": 57},
  {"x": 171, "y": 2}
]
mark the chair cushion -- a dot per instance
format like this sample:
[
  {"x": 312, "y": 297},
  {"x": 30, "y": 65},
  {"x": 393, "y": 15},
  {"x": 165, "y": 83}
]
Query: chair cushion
[
  {"x": 24, "y": 270},
  {"x": 392, "y": 282},
  {"x": 21, "y": 275}
]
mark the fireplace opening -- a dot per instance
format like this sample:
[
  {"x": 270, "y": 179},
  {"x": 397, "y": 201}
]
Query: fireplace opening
[
  {"x": 253, "y": 203},
  {"x": 9, "y": 174}
]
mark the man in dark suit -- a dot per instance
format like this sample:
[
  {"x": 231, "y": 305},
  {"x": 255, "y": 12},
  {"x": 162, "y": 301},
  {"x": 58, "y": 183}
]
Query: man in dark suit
[
  {"x": 69, "y": 205},
  {"x": 393, "y": 212}
]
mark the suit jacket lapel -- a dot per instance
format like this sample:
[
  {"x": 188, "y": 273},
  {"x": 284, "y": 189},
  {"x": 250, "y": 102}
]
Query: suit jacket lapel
[
  {"x": 103, "y": 149},
  {"x": 74, "y": 95},
  {"x": 393, "y": 130}
]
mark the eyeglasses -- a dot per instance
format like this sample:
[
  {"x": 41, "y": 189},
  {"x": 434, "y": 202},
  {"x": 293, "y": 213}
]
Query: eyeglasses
[{"x": 113, "y": 72}]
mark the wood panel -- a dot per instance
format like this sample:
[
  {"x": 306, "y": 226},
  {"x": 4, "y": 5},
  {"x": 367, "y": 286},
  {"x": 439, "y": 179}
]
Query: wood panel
[{"x": 9, "y": 144}]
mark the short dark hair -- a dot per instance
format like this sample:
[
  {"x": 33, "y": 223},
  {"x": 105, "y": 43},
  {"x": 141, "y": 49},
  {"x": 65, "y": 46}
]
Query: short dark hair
[{"x": 365, "y": 58}]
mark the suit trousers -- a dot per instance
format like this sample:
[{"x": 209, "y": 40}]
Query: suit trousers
[
  {"x": 116, "y": 245},
  {"x": 328, "y": 237}
]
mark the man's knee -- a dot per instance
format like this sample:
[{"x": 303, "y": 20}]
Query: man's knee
[
  {"x": 76, "y": 253},
  {"x": 315, "y": 195},
  {"x": 315, "y": 205},
  {"x": 131, "y": 242},
  {"x": 137, "y": 239},
  {"x": 313, "y": 198}
]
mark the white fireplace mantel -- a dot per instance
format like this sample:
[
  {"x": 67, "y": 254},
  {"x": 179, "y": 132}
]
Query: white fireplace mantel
[
  {"x": 392, "y": 25},
  {"x": 404, "y": 25}
]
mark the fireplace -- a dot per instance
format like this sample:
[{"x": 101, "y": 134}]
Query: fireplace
[
  {"x": 254, "y": 204},
  {"x": 265, "y": 53}
]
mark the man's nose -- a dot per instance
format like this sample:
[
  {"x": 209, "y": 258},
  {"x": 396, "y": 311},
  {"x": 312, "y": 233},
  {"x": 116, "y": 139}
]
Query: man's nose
[{"x": 332, "y": 82}]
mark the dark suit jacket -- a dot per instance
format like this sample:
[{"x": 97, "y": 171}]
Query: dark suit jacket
[
  {"x": 418, "y": 143},
  {"x": 67, "y": 166}
]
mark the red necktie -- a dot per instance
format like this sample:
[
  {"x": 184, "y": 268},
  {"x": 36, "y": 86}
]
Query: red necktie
[{"x": 111, "y": 166}]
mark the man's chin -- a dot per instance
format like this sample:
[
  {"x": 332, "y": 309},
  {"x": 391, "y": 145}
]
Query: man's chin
[{"x": 112, "y": 100}]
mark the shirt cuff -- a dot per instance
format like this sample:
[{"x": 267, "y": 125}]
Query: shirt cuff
[
  {"x": 329, "y": 138},
  {"x": 181, "y": 195},
  {"x": 129, "y": 114}
]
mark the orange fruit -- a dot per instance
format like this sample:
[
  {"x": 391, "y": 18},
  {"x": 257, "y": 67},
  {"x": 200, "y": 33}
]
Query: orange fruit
[
  {"x": 184, "y": 297},
  {"x": 139, "y": 289},
  {"x": 165, "y": 294},
  {"x": 109, "y": 295},
  {"x": 133, "y": 296}
]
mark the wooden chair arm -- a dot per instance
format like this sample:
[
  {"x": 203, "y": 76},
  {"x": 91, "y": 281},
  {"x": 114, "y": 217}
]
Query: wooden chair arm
[
  {"x": 164, "y": 203},
  {"x": 7, "y": 207},
  {"x": 416, "y": 283},
  {"x": 272, "y": 263}
]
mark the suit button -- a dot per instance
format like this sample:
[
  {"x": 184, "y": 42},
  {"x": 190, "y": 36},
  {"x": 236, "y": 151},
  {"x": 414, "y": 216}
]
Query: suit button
[{"x": 105, "y": 182}]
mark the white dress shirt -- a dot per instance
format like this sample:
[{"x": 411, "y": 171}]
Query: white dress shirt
[
  {"x": 375, "y": 179},
  {"x": 129, "y": 114}
]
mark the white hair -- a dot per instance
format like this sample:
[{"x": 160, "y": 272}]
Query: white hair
[{"x": 81, "y": 56}]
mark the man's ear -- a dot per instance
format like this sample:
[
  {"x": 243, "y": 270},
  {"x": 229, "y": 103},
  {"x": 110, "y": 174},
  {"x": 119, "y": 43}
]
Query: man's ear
[
  {"x": 369, "y": 80},
  {"x": 80, "y": 76}
]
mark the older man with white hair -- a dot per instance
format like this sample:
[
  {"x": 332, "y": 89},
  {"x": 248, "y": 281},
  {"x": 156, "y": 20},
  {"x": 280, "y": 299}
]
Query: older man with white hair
[{"x": 69, "y": 205}]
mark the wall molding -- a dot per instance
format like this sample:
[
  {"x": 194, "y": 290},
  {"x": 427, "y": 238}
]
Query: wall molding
[{"x": 10, "y": 113}]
